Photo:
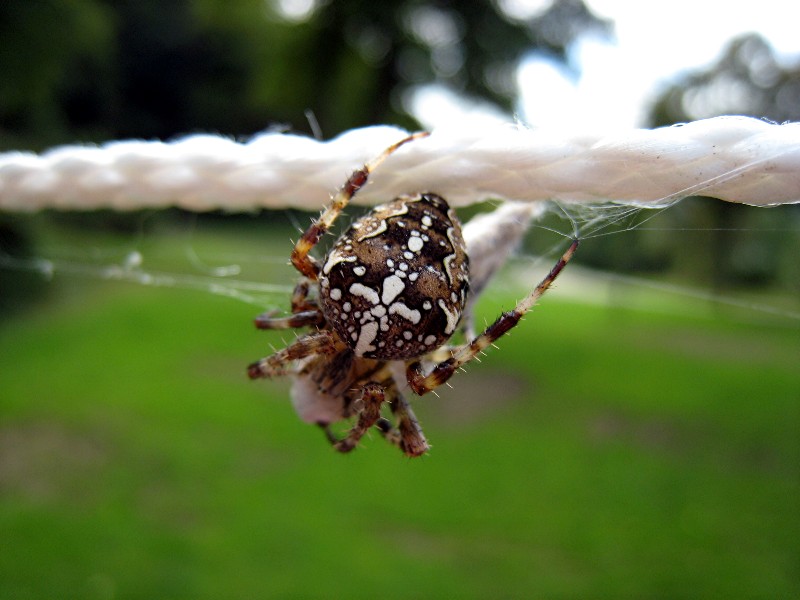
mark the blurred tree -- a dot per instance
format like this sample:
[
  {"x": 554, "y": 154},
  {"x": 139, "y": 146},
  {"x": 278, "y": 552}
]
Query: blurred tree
[
  {"x": 748, "y": 80},
  {"x": 96, "y": 70},
  {"x": 105, "y": 69},
  {"x": 743, "y": 249},
  {"x": 48, "y": 47},
  {"x": 370, "y": 54},
  {"x": 739, "y": 245}
]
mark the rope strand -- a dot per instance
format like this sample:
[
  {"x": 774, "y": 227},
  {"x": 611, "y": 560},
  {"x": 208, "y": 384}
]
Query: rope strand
[{"x": 736, "y": 159}]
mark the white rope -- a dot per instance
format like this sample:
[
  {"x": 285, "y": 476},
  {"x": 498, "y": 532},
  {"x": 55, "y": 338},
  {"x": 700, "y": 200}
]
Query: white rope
[{"x": 736, "y": 159}]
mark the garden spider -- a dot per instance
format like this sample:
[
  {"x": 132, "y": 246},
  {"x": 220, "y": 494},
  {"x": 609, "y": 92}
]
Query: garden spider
[{"x": 382, "y": 306}]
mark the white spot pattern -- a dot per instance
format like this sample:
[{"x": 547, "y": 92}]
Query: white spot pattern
[
  {"x": 398, "y": 308},
  {"x": 392, "y": 286},
  {"x": 335, "y": 258},
  {"x": 452, "y": 317},
  {"x": 369, "y": 331},
  {"x": 370, "y": 295},
  {"x": 406, "y": 279},
  {"x": 373, "y": 232}
]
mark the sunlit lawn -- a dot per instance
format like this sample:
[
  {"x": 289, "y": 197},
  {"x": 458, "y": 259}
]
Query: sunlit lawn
[{"x": 601, "y": 452}]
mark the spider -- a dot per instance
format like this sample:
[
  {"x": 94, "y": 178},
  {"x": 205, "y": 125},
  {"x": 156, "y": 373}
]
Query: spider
[{"x": 381, "y": 306}]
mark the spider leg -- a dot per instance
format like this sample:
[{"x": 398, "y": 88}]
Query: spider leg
[
  {"x": 305, "y": 312},
  {"x": 300, "y": 319},
  {"x": 372, "y": 396},
  {"x": 300, "y": 300},
  {"x": 319, "y": 342},
  {"x": 329, "y": 435},
  {"x": 301, "y": 259},
  {"x": 408, "y": 434},
  {"x": 422, "y": 383}
]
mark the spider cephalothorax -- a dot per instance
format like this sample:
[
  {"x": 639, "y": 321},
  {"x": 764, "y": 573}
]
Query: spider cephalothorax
[{"x": 383, "y": 304}]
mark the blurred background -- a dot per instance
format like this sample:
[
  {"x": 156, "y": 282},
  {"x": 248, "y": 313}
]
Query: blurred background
[{"x": 638, "y": 435}]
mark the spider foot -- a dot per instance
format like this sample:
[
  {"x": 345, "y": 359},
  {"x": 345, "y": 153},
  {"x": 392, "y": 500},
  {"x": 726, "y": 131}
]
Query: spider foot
[
  {"x": 408, "y": 434},
  {"x": 262, "y": 369},
  {"x": 411, "y": 441},
  {"x": 372, "y": 396},
  {"x": 346, "y": 445}
]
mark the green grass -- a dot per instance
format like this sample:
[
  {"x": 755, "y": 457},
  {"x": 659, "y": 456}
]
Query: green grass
[{"x": 601, "y": 452}]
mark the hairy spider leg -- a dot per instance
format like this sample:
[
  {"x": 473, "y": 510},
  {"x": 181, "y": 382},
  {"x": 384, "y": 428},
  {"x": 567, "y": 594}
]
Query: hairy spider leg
[
  {"x": 301, "y": 259},
  {"x": 407, "y": 435},
  {"x": 369, "y": 397},
  {"x": 319, "y": 342},
  {"x": 300, "y": 319},
  {"x": 372, "y": 397},
  {"x": 422, "y": 383},
  {"x": 300, "y": 300},
  {"x": 305, "y": 311}
]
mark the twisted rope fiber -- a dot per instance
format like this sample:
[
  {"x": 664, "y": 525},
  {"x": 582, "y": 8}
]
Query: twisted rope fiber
[{"x": 736, "y": 159}]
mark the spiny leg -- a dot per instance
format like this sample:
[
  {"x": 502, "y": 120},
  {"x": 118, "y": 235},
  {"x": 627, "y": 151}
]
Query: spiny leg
[
  {"x": 422, "y": 384},
  {"x": 300, "y": 299},
  {"x": 372, "y": 396},
  {"x": 301, "y": 259},
  {"x": 408, "y": 434},
  {"x": 320, "y": 342},
  {"x": 329, "y": 435},
  {"x": 300, "y": 319},
  {"x": 305, "y": 312}
]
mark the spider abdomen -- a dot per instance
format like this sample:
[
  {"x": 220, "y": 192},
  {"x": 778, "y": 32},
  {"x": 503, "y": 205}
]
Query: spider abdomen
[{"x": 394, "y": 285}]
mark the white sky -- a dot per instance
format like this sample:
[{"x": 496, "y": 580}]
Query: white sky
[{"x": 654, "y": 41}]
